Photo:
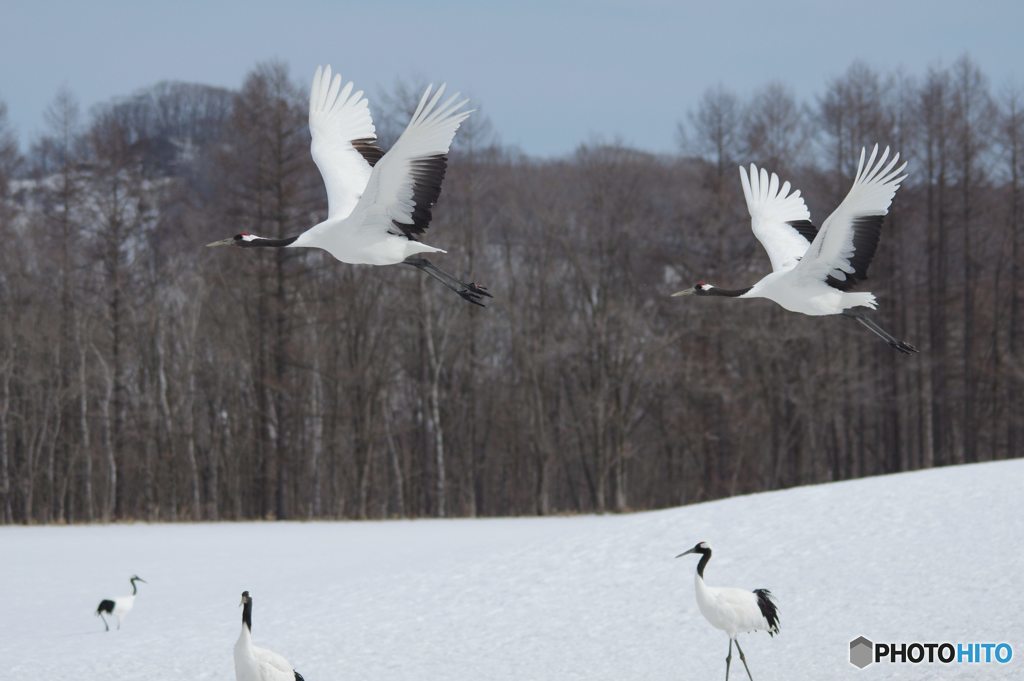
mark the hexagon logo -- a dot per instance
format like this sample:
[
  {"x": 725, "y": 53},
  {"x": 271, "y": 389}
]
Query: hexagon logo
[{"x": 862, "y": 652}]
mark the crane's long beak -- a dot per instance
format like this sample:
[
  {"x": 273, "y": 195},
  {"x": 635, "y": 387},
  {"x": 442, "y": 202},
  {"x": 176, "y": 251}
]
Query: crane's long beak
[
  {"x": 686, "y": 292},
  {"x": 222, "y": 242},
  {"x": 686, "y": 552}
]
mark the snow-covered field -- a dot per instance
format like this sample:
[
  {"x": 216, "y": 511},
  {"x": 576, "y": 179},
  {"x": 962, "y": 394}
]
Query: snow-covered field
[{"x": 935, "y": 555}]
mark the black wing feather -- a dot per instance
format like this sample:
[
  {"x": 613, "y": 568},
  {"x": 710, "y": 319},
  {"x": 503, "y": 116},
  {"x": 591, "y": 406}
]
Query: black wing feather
[
  {"x": 768, "y": 608},
  {"x": 367, "y": 147},
  {"x": 427, "y": 175},
  {"x": 806, "y": 228},
  {"x": 866, "y": 231}
]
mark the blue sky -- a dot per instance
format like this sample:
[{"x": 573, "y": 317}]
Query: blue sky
[{"x": 549, "y": 74}]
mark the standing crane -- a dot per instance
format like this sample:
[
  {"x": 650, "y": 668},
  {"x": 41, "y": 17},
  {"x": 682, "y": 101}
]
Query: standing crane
[
  {"x": 734, "y": 611},
  {"x": 815, "y": 271},
  {"x": 379, "y": 205},
  {"x": 119, "y": 607},
  {"x": 258, "y": 664}
]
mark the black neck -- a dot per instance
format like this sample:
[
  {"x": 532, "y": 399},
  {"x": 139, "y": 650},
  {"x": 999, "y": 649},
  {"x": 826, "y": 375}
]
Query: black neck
[
  {"x": 135, "y": 589},
  {"x": 268, "y": 243},
  {"x": 725, "y": 292},
  {"x": 247, "y": 615},
  {"x": 704, "y": 558}
]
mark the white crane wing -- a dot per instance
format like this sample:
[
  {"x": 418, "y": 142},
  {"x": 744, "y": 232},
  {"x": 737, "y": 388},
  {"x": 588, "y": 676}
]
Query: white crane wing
[
  {"x": 846, "y": 243},
  {"x": 406, "y": 182},
  {"x": 741, "y": 607},
  {"x": 344, "y": 140},
  {"x": 273, "y": 667},
  {"x": 780, "y": 220}
]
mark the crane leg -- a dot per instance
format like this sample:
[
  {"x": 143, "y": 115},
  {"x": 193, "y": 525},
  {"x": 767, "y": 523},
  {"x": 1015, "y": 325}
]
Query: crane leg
[
  {"x": 106, "y": 626},
  {"x": 471, "y": 291},
  {"x": 743, "y": 659},
  {"x": 728, "y": 660},
  {"x": 872, "y": 326}
]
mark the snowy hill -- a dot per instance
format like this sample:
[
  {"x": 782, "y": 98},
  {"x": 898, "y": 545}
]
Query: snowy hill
[{"x": 933, "y": 555}]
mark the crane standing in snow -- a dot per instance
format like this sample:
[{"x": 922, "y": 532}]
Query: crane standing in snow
[
  {"x": 734, "y": 611},
  {"x": 379, "y": 205},
  {"x": 119, "y": 607},
  {"x": 814, "y": 271},
  {"x": 258, "y": 664}
]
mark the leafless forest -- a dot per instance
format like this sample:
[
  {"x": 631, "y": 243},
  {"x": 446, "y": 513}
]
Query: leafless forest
[{"x": 143, "y": 376}]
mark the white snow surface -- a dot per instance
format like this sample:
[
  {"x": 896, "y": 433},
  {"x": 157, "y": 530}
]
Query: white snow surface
[{"x": 931, "y": 556}]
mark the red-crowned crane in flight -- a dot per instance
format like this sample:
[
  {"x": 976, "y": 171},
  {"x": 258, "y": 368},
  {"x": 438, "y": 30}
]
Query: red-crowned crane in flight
[
  {"x": 815, "y": 271},
  {"x": 379, "y": 204}
]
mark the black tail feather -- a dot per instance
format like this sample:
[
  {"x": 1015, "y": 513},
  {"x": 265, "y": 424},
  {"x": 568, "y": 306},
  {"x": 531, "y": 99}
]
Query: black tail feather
[{"x": 766, "y": 602}]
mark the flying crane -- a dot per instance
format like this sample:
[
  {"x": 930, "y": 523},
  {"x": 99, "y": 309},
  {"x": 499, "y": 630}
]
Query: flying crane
[
  {"x": 815, "y": 271},
  {"x": 379, "y": 204}
]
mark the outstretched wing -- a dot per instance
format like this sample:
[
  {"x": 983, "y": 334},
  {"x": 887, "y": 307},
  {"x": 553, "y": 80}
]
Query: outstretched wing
[
  {"x": 406, "y": 182},
  {"x": 344, "y": 140},
  {"x": 780, "y": 220},
  {"x": 846, "y": 243}
]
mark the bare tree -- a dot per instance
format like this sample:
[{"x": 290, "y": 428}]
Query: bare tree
[
  {"x": 9, "y": 162},
  {"x": 775, "y": 129},
  {"x": 1012, "y": 138},
  {"x": 713, "y": 133},
  {"x": 973, "y": 115}
]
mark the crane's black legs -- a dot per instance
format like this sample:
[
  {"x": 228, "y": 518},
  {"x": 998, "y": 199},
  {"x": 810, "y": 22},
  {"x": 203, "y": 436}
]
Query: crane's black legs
[
  {"x": 470, "y": 291},
  {"x": 872, "y": 326},
  {"x": 107, "y": 626},
  {"x": 728, "y": 660},
  {"x": 744, "y": 660}
]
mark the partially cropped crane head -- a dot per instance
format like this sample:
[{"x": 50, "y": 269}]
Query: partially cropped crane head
[
  {"x": 243, "y": 239},
  {"x": 701, "y": 547},
  {"x": 701, "y": 288},
  {"x": 136, "y": 578}
]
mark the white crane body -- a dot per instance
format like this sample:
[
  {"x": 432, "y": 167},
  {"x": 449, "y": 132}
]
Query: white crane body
[
  {"x": 361, "y": 245},
  {"x": 734, "y": 611},
  {"x": 807, "y": 295}
]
